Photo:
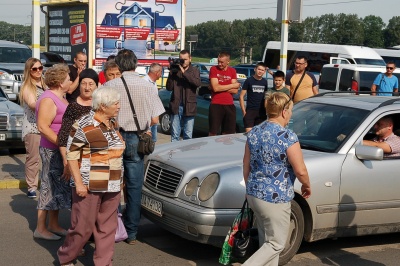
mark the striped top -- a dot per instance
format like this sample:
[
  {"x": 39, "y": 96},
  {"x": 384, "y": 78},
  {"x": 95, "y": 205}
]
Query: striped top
[{"x": 99, "y": 151}]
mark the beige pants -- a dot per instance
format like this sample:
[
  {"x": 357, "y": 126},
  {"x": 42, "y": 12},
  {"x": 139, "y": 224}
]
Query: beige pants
[{"x": 32, "y": 142}]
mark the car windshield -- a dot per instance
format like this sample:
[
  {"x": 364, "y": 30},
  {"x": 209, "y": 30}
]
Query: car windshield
[
  {"x": 366, "y": 61},
  {"x": 324, "y": 127},
  {"x": 14, "y": 55}
]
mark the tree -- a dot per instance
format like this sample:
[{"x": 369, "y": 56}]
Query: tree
[
  {"x": 392, "y": 32},
  {"x": 373, "y": 31}
]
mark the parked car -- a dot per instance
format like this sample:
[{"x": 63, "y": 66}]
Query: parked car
[
  {"x": 12, "y": 62},
  {"x": 346, "y": 77},
  {"x": 203, "y": 104},
  {"x": 11, "y": 117},
  {"x": 195, "y": 188},
  {"x": 48, "y": 59}
]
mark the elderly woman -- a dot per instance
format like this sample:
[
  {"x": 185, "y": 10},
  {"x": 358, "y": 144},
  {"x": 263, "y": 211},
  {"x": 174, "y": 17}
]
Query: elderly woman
[
  {"x": 272, "y": 161},
  {"x": 31, "y": 89},
  {"x": 55, "y": 192},
  {"x": 88, "y": 82},
  {"x": 94, "y": 154}
]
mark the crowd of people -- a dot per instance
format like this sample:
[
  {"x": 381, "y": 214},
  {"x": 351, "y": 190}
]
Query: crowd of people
[{"x": 81, "y": 125}]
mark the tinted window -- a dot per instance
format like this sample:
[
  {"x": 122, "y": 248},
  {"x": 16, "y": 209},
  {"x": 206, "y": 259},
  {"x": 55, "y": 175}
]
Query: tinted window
[
  {"x": 315, "y": 60},
  {"x": 396, "y": 60},
  {"x": 329, "y": 78},
  {"x": 365, "y": 61},
  {"x": 14, "y": 55},
  {"x": 366, "y": 79},
  {"x": 318, "y": 126},
  {"x": 346, "y": 78}
]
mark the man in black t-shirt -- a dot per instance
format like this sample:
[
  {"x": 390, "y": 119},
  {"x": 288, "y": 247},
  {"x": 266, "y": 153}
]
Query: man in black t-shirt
[
  {"x": 255, "y": 87},
  {"x": 80, "y": 61}
]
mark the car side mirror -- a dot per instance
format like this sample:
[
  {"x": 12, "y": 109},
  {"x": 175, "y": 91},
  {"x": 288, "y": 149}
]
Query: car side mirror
[{"x": 364, "y": 152}]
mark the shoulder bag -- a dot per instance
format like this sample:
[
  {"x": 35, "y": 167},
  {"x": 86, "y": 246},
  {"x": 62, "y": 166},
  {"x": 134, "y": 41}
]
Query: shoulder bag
[
  {"x": 298, "y": 84},
  {"x": 146, "y": 144}
]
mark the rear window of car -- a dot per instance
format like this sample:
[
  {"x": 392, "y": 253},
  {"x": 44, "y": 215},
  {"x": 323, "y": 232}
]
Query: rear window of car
[
  {"x": 329, "y": 78},
  {"x": 367, "y": 79},
  {"x": 346, "y": 78}
]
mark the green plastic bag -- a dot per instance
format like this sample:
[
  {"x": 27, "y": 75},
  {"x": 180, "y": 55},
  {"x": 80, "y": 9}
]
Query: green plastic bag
[{"x": 242, "y": 221}]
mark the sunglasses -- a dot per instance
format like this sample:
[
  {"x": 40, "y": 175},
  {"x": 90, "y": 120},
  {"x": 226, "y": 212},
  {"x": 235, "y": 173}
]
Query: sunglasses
[
  {"x": 34, "y": 69},
  {"x": 390, "y": 68}
]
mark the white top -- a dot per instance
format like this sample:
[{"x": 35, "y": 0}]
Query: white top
[{"x": 152, "y": 82}]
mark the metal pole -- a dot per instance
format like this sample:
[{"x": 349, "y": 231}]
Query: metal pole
[
  {"x": 284, "y": 35},
  {"x": 190, "y": 47},
  {"x": 36, "y": 28}
]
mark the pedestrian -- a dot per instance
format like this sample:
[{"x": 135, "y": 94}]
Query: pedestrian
[
  {"x": 386, "y": 83},
  {"x": 148, "y": 107},
  {"x": 55, "y": 192},
  {"x": 97, "y": 146},
  {"x": 279, "y": 83},
  {"x": 183, "y": 80},
  {"x": 272, "y": 160},
  {"x": 255, "y": 88},
  {"x": 80, "y": 61},
  {"x": 111, "y": 70},
  {"x": 102, "y": 77},
  {"x": 32, "y": 88},
  {"x": 223, "y": 83},
  {"x": 301, "y": 83},
  {"x": 154, "y": 73}
]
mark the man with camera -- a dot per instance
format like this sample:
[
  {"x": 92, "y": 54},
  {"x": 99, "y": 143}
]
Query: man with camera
[{"x": 183, "y": 80}]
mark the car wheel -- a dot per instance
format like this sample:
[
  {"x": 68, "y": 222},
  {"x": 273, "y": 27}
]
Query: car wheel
[
  {"x": 165, "y": 123},
  {"x": 296, "y": 233}
]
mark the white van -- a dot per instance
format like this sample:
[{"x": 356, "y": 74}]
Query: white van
[
  {"x": 319, "y": 54},
  {"x": 389, "y": 55}
]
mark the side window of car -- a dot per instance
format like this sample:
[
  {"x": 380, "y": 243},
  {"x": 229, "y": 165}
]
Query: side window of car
[
  {"x": 346, "y": 76},
  {"x": 329, "y": 78}
]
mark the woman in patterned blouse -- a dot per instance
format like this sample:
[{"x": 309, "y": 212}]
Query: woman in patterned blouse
[
  {"x": 94, "y": 154},
  {"x": 271, "y": 163},
  {"x": 31, "y": 89}
]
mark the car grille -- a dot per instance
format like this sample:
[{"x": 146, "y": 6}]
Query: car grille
[
  {"x": 163, "y": 178},
  {"x": 18, "y": 77},
  {"x": 3, "y": 121}
]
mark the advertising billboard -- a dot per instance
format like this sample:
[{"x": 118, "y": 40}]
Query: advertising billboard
[
  {"x": 151, "y": 28},
  {"x": 68, "y": 30}
]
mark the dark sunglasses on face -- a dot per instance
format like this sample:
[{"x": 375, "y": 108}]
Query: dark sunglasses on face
[
  {"x": 37, "y": 68},
  {"x": 390, "y": 68}
]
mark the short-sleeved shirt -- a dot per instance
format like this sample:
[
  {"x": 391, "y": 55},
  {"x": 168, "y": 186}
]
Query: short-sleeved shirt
[
  {"x": 224, "y": 77},
  {"x": 98, "y": 150},
  {"x": 271, "y": 176},
  {"x": 255, "y": 93},
  {"x": 394, "y": 142},
  {"x": 284, "y": 90},
  {"x": 305, "y": 89},
  {"x": 386, "y": 84},
  {"x": 147, "y": 104},
  {"x": 152, "y": 82}
]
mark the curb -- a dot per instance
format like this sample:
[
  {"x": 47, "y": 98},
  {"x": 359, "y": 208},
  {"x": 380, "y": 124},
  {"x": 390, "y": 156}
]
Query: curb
[{"x": 6, "y": 184}]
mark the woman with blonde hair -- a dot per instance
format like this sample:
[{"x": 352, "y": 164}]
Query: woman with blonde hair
[
  {"x": 55, "y": 192},
  {"x": 272, "y": 161},
  {"x": 32, "y": 88}
]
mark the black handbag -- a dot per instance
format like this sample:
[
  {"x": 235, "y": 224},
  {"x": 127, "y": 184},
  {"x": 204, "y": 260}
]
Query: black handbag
[
  {"x": 146, "y": 144},
  {"x": 245, "y": 241}
]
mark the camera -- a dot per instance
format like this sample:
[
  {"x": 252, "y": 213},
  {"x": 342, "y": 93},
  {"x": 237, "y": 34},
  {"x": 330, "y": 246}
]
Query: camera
[{"x": 174, "y": 64}]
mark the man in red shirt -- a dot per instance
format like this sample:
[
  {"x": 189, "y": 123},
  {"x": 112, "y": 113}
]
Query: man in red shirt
[{"x": 223, "y": 83}]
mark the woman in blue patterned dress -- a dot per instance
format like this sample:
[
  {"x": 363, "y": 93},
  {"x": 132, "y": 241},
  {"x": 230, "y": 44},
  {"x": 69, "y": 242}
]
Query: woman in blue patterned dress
[{"x": 271, "y": 163}]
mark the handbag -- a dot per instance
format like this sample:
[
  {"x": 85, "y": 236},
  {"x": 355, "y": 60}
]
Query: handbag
[
  {"x": 146, "y": 144},
  {"x": 233, "y": 247},
  {"x": 120, "y": 234}
]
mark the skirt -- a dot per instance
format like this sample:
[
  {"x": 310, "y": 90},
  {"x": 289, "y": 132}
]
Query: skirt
[{"x": 55, "y": 192}]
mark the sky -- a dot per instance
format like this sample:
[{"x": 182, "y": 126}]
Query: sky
[{"x": 19, "y": 11}]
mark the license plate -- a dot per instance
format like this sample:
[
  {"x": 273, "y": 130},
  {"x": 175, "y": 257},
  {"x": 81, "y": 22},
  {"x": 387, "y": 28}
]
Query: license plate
[
  {"x": 152, "y": 205},
  {"x": 2, "y": 137}
]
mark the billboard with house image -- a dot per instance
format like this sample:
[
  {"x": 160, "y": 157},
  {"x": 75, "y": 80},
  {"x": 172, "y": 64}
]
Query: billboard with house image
[{"x": 151, "y": 28}]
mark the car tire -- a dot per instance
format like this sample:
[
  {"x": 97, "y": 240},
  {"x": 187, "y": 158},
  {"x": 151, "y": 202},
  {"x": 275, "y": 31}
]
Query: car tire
[
  {"x": 296, "y": 233},
  {"x": 165, "y": 123}
]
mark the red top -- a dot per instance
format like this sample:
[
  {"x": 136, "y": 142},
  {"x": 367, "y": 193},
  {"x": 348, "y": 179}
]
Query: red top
[
  {"x": 224, "y": 78},
  {"x": 102, "y": 78}
]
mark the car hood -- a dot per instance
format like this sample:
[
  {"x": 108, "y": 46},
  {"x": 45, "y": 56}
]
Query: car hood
[
  {"x": 7, "y": 106},
  {"x": 210, "y": 152}
]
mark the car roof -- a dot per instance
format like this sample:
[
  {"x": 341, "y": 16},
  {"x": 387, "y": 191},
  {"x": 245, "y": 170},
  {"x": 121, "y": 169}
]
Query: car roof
[
  {"x": 12, "y": 44},
  {"x": 365, "y": 102}
]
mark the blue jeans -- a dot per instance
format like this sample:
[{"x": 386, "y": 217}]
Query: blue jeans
[
  {"x": 133, "y": 178},
  {"x": 154, "y": 132},
  {"x": 177, "y": 122}
]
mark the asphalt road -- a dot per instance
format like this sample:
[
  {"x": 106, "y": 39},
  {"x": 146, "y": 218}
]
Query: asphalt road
[{"x": 156, "y": 246}]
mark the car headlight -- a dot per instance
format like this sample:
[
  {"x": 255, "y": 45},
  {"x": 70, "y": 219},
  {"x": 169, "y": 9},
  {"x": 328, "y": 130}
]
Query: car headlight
[
  {"x": 208, "y": 187},
  {"x": 16, "y": 121},
  {"x": 191, "y": 186},
  {"x": 5, "y": 75}
]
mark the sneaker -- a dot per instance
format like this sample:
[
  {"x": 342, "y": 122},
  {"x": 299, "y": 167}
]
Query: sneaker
[{"x": 31, "y": 194}]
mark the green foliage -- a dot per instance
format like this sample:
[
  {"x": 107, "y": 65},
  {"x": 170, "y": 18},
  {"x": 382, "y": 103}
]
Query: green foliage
[
  {"x": 392, "y": 32},
  {"x": 19, "y": 33}
]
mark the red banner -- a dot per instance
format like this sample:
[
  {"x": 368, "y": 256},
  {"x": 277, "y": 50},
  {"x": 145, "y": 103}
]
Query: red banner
[
  {"x": 78, "y": 34},
  {"x": 167, "y": 35},
  {"x": 136, "y": 33},
  {"x": 108, "y": 32},
  {"x": 167, "y": 1}
]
